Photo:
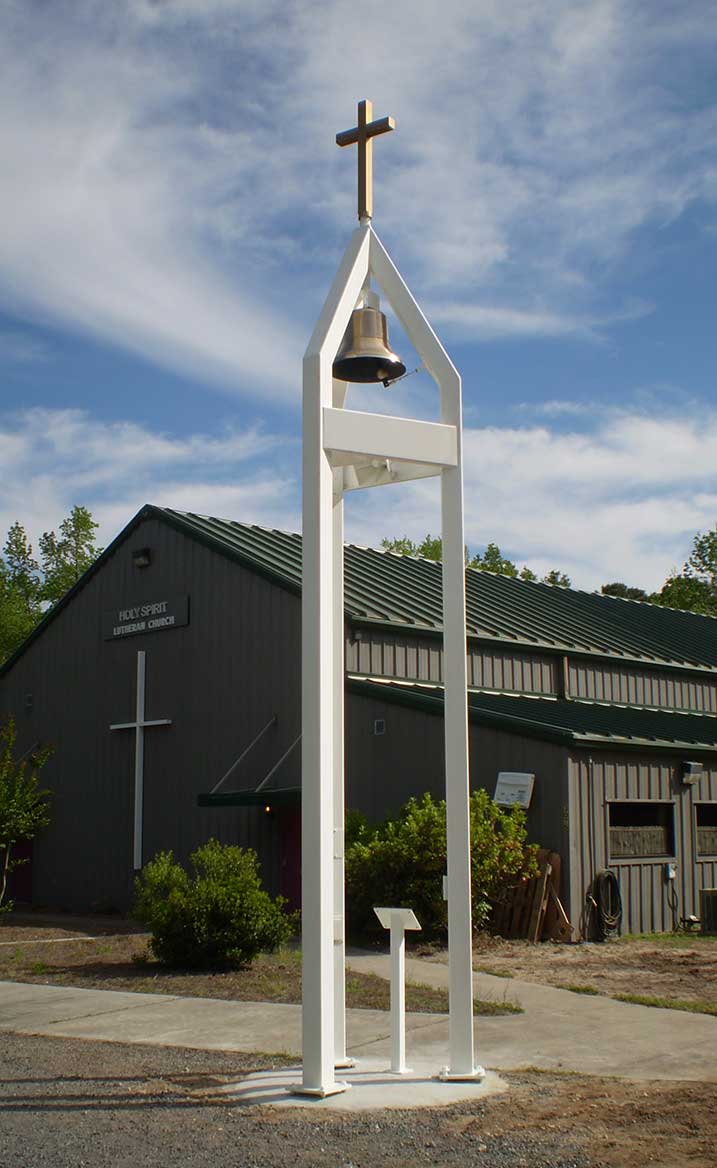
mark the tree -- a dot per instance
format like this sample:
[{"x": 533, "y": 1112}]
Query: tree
[
  {"x": 492, "y": 559},
  {"x": 695, "y": 587},
  {"x": 19, "y": 591},
  {"x": 624, "y": 591},
  {"x": 23, "y": 804},
  {"x": 688, "y": 593},
  {"x": 22, "y": 587},
  {"x": 67, "y": 556},
  {"x": 557, "y": 579},
  {"x": 22, "y": 569},
  {"x": 430, "y": 547}
]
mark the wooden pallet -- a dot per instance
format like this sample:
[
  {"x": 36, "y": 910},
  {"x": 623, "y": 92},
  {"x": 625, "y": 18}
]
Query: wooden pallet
[{"x": 532, "y": 908}]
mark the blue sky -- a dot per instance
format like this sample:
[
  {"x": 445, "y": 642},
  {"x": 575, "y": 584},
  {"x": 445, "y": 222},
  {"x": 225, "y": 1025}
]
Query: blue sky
[{"x": 174, "y": 208}]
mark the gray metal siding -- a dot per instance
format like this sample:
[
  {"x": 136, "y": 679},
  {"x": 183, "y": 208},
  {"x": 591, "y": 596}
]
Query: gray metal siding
[
  {"x": 594, "y": 782},
  {"x": 219, "y": 679},
  {"x": 641, "y": 687},
  {"x": 384, "y": 771},
  {"x": 416, "y": 657}
]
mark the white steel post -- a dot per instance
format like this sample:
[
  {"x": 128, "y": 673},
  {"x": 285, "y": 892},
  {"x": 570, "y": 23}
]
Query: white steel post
[
  {"x": 398, "y": 996},
  {"x": 460, "y": 955},
  {"x": 318, "y": 682},
  {"x": 317, "y": 755},
  {"x": 339, "y": 935}
]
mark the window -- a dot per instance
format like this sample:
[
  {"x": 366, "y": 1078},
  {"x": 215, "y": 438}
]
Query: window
[
  {"x": 706, "y": 817},
  {"x": 641, "y": 829}
]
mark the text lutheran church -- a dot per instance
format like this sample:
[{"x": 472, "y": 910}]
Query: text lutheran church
[{"x": 185, "y": 636}]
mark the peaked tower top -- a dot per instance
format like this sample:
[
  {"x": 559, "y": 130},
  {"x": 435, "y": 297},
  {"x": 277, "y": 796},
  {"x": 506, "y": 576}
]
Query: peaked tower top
[{"x": 362, "y": 135}]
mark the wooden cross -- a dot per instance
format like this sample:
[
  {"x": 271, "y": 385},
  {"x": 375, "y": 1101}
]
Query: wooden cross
[
  {"x": 139, "y": 725},
  {"x": 363, "y": 134}
]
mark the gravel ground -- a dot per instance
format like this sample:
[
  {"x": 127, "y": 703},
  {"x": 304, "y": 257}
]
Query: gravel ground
[{"x": 68, "y": 1104}]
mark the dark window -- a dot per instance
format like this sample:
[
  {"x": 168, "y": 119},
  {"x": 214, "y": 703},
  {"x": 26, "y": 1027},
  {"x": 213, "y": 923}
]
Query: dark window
[
  {"x": 641, "y": 829},
  {"x": 706, "y": 814}
]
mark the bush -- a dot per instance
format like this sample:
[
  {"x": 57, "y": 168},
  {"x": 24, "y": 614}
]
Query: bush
[
  {"x": 218, "y": 916},
  {"x": 402, "y": 862}
]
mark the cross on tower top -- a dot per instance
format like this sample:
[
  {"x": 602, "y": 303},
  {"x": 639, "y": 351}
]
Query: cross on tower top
[{"x": 362, "y": 135}]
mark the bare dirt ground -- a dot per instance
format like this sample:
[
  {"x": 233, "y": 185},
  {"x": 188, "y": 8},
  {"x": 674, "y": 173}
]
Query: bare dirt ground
[
  {"x": 677, "y": 967},
  {"x": 67, "y": 1103}
]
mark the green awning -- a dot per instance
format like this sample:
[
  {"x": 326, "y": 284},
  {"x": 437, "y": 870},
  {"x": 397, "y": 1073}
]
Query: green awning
[{"x": 279, "y": 797}]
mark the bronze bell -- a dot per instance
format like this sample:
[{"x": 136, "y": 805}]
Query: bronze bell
[{"x": 364, "y": 355}]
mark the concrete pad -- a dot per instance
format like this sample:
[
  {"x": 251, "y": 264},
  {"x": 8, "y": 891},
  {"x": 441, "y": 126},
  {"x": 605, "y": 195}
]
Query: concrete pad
[
  {"x": 563, "y": 1031},
  {"x": 371, "y": 1086}
]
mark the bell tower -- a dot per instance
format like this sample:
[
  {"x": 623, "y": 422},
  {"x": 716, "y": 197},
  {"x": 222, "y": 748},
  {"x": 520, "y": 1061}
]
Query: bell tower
[{"x": 345, "y": 450}]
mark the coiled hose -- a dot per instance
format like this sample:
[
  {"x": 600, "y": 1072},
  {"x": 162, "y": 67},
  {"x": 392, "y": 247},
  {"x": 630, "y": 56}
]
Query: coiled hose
[{"x": 608, "y": 904}]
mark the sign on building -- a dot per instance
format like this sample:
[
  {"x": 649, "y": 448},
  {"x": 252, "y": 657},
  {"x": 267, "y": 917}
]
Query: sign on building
[
  {"x": 514, "y": 787},
  {"x": 149, "y": 617}
]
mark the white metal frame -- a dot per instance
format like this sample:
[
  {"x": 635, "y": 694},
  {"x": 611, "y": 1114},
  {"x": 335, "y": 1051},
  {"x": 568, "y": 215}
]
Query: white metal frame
[{"x": 347, "y": 451}]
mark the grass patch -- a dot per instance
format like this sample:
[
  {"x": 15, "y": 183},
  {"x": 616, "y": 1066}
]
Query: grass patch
[
  {"x": 582, "y": 989},
  {"x": 493, "y": 972},
  {"x": 696, "y": 1007},
  {"x": 125, "y": 964},
  {"x": 668, "y": 940}
]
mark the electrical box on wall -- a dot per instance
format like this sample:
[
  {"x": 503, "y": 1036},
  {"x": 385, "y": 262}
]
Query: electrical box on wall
[{"x": 514, "y": 787}]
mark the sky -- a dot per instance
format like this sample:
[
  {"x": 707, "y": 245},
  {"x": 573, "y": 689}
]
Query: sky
[{"x": 174, "y": 208}]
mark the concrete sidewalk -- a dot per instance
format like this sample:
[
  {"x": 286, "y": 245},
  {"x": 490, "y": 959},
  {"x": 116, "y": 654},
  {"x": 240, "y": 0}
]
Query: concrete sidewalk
[{"x": 559, "y": 1030}]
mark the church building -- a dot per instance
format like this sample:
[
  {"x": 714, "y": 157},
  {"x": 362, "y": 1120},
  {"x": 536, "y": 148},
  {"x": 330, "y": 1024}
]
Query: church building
[{"x": 169, "y": 682}]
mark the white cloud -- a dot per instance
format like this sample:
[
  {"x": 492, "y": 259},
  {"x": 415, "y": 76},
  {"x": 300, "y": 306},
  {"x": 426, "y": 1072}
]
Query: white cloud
[
  {"x": 165, "y": 163},
  {"x": 51, "y": 460},
  {"x": 621, "y": 502}
]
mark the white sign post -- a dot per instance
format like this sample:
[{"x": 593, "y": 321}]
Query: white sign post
[
  {"x": 398, "y": 920},
  {"x": 347, "y": 450}
]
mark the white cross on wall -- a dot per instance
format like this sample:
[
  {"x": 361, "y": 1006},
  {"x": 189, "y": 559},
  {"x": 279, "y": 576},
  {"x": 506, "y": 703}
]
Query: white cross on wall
[{"x": 139, "y": 726}]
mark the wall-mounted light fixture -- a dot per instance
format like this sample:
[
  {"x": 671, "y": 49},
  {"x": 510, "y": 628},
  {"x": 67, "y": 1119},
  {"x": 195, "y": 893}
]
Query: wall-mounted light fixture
[
  {"x": 142, "y": 557},
  {"x": 692, "y": 773}
]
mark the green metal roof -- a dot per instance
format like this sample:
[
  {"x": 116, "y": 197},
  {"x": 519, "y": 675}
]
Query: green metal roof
[
  {"x": 386, "y": 588},
  {"x": 383, "y": 588},
  {"x": 563, "y": 720}
]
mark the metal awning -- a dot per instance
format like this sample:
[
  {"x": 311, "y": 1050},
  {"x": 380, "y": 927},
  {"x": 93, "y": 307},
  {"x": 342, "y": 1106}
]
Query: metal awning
[{"x": 280, "y": 797}]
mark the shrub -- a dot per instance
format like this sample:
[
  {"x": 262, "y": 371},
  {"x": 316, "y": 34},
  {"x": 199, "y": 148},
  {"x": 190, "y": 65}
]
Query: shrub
[
  {"x": 24, "y": 807},
  {"x": 402, "y": 862},
  {"x": 219, "y": 915}
]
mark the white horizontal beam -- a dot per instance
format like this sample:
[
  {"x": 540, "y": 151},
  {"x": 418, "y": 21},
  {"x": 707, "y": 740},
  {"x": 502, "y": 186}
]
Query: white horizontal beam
[{"x": 350, "y": 432}]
